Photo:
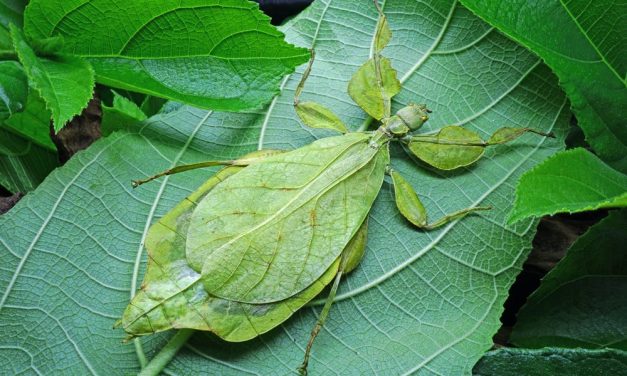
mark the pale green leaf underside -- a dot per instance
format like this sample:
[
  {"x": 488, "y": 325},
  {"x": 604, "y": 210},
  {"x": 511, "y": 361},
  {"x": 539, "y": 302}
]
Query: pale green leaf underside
[
  {"x": 273, "y": 229},
  {"x": 552, "y": 361},
  {"x": 569, "y": 182},
  {"x": 586, "y": 49},
  {"x": 219, "y": 54},
  {"x": 172, "y": 294},
  {"x": 419, "y": 302},
  {"x": 64, "y": 82},
  {"x": 581, "y": 302}
]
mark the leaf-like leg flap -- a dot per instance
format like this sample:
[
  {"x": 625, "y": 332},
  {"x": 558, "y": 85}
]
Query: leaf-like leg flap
[
  {"x": 356, "y": 248},
  {"x": 412, "y": 209},
  {"x": 383, "y": 34},
  {"x": 315, "y": 115},
  {"x": 407, "y": 201},
  {"x": 452, "y": 147},
  {"x": 244, "y": 161},
  {"x": 373, "y": 92},
  {"x": 508, "y": 134}
]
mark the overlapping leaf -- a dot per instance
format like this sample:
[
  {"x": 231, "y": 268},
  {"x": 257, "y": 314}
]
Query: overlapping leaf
[
  {"x": 583, "y": 41},
  {"x": 218, "y": 54},
  {"x": 572, "y": 181},
  {"x": 23, "y": 164},
  {"x": 13, "y": 89},
  {"x": 64, "y": 82},
  {"x": 581, "y": 302},
  {"x": 419, "y": 301}
]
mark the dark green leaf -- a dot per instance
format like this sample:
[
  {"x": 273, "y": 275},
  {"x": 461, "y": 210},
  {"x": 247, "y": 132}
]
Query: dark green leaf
[
  {"x": 571, "y": 181},
  {"x": 583, "y": 41},
  {"x": 33, "y": 123},
  {"x": 11, "y": 11},
  {"x": 23, "y": 165},
  {"x": 65, "y": 83},
  {"x": 552, "y": 361},
  {"x": 122, "y": 113},
  {"x": 581, "y": 302},
  {"x": 219, "y": 54},
  {"x": 13, "y": 89}
]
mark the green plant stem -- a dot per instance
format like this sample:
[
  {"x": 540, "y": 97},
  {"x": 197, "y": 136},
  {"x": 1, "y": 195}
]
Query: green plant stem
[{"x": 158, "y": 363}]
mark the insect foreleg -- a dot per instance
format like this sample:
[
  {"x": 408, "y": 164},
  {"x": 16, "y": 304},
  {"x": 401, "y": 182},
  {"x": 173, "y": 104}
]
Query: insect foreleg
[
  {"x": 301, "y": 84},
  {"x": 244, "y": 161}
]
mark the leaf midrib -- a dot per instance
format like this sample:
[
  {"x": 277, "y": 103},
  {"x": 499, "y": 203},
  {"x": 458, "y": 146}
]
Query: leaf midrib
[{"x": 594, "y": 46}]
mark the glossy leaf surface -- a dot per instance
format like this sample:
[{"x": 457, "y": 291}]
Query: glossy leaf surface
[
  {"x": 64, "y": 82},
  {"x": 419, "y": 301},
  {"x": 33, "y": 123},
  {"x": 219, "y": 54},
  {"x": 569, "y": 182},
  {"x": 583, "y": 42},
  {"x": 13, "y": 89},
  {"x": 581, "y": 302}
]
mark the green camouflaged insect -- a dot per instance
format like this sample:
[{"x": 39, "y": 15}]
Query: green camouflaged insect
[{"x": 265, "y": 235}]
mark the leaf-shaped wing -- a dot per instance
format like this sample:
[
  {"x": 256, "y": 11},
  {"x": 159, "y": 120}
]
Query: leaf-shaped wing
[
  {"x": 273, "y": 229},
  {"x": 172, "y": 295}
]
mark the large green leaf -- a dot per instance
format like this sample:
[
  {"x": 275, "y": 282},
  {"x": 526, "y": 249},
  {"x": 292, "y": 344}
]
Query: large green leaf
[
  {"x": 552, "y": 361},
  {"x": 583, "y": 41},
  {"x": 64, "y": 82},
  {"x": 571, "y": 181},
  {"x": 581, "y": 302},
  {"x": 218, "y": 54},
  {"x": 72, "y": 252}
]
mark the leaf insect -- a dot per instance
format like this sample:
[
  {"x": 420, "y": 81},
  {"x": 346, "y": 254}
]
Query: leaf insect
[{"x": 271, "y": 230}]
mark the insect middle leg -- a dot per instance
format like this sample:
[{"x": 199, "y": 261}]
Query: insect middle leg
[{"x": 414, "y": 211}]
